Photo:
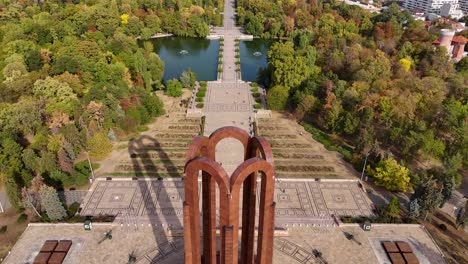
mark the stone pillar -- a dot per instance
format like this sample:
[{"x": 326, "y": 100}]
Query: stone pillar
[{"x": 200, "y": 157}]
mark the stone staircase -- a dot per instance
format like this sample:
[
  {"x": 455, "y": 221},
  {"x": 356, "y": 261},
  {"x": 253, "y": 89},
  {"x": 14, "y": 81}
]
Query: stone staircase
[
  {"x": 160, "y": 153},
  {"x": 297, "y": 154}
]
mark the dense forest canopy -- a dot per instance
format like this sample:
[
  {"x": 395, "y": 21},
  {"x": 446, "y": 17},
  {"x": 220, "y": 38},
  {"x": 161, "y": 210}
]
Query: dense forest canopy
[
  {"x": 374, "y": 79},
  {"x": 74, "y": 77}
]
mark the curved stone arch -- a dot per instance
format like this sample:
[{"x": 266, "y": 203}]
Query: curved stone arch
[
  {"x": 244, "y": 171},
  {"x": 211, "y": 167},
  {"x": 247, "y": 168},
  {"x": 262, "y": 145},
  {"x": 227, "y": 132},
  {"x": 198, "y": 147},
  {"x": 191, "y": 204}
]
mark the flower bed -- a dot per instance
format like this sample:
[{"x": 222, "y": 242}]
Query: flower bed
[
  {"x": 173, "y": 136},
  {"x": 288, "y": 145},
  {"x": 279, "y": 136},
  {"x": 272, "y": 128},
  {"x": 148, "y": 167},
  {"x": 304, "y": 168},
  {"x": 159, "y": 155},
  {"x": 182, "y": 121},
  {"x": 282, "y": 155},
  {"x": 182, "y": 127}
]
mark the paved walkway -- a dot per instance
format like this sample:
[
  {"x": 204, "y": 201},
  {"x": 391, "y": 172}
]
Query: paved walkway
[
  {"x": 298, "y": 202},
  {"x": 229, "y": 102},
  {"x": 154, "y": 246}
]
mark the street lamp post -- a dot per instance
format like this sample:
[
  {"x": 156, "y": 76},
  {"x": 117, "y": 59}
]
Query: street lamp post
[
  {"x": 365, "y": 162},
  {"x": 90, "y": 166}
]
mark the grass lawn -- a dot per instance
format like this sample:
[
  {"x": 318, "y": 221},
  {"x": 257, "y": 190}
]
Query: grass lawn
[
  {"x": 327, "y": 141},
  {"x": 452, "y": 242},
  {"x": 13, "y": 232}
]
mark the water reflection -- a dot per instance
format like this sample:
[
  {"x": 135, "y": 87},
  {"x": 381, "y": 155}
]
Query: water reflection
[
  {"x": 182, "y": 53},
  {"x": 253, "y": 58}
]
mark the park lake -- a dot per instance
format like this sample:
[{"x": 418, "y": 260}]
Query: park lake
[
  {"x": 253, "y": 57},
  {"x": 201, "y": 56},
  {"x": 181, "y": 53}
]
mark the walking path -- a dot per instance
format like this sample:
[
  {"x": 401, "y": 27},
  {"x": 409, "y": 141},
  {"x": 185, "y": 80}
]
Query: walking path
[
  {"x": 299, "y": 202},
  {"x": 229, "y": 102}
]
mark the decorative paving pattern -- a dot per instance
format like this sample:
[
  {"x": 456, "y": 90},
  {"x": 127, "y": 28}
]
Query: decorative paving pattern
[
  {"x": 164, "y": 199},
  {"x": 292, "y": 199},
  {"x": 307, "y": 203},
  {"x": 339, "y": 198},
  {"x": 294, "y": 251},
  {"x": 163, "y": 251},
  {"x": 228, "y": 108}
]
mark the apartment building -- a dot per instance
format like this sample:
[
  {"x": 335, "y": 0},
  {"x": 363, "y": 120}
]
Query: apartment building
[{"x": 441, "y": 7}]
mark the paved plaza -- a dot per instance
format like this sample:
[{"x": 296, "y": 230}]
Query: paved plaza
[
  {"x": 228, "y": 104},
  {"x": 298, "y": 202},
  {"x": 151, "y": 245}
]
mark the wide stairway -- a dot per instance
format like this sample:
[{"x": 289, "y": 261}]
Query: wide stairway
[
  {"x": 297, "y": 155},
  {"x": 160, "y": 153}
]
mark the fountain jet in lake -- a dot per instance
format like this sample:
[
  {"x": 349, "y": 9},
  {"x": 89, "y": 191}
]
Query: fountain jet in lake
[{"x": 257, "y": 54}]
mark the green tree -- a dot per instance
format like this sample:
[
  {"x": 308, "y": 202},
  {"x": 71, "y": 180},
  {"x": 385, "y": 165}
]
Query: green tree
[
  {"x": 277, "y": 97},
  {"x": 448, "y": 186},
  {"x": 31, "y": 160},
  {"x": 13, "y": 193},
  {"x": 155, "y": 67},
  {"x": 287, "y": 68},
  {"x": 393, "y": 208},
  {"x": 462, "y": 65},
  {"x": 52, "y": 204},
  {"x": 255, "y": 25},
  {"x": 60, "y": 96},
  {"x": 99, "y": 145},
  {"x": 429, "y": 196},
  {"x": 462, "y": 216},
  {"x": 174, "y": 88},
  {"x": 391, "y": 175},
  {"x": 22, "y": 117},
  {"x": 414, "y": 209},
  {"x": 188, "y": 79}
]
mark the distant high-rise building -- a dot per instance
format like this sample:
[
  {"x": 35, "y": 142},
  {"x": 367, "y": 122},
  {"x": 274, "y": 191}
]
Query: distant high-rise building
[
  {"x": 440, "y": 7},
  {"x": 464, "y": 6}
]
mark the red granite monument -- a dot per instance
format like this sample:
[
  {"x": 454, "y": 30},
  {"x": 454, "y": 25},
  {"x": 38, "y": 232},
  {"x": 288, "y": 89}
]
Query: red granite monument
[{"x": 258, "y": 162}]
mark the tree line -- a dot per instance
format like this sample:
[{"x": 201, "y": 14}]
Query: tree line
[
  {"x": 372, "y": 80},
  {"x": 74, "y": 77}
]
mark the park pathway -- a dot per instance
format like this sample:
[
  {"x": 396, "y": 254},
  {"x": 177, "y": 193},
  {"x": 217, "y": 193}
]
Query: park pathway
[{"x": 228, "y": 101}]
